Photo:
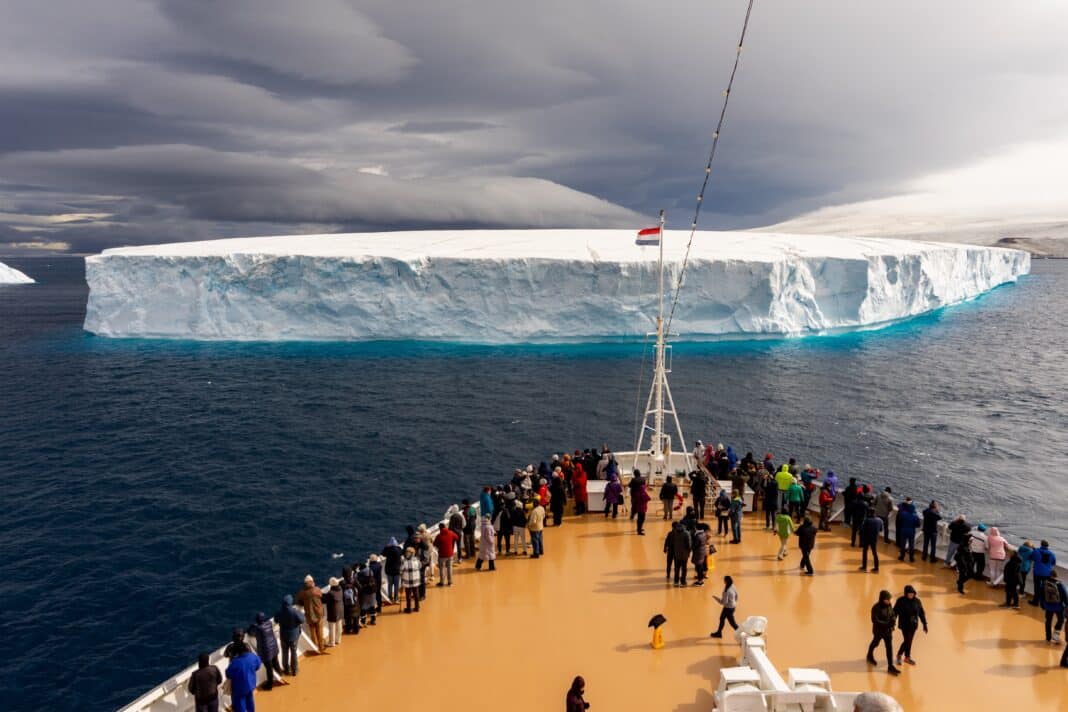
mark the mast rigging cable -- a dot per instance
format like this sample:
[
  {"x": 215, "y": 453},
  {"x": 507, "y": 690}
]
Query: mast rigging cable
[{"x": 708, "y": 167}]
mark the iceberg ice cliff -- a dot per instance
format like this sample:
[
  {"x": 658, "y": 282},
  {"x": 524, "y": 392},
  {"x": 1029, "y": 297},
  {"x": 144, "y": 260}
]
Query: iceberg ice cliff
[
  {"x": 526, "y": 285},
  {"x": 10, "y": 275}
]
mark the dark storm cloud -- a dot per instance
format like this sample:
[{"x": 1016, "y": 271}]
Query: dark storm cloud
[{"x": 124, "y": 121}]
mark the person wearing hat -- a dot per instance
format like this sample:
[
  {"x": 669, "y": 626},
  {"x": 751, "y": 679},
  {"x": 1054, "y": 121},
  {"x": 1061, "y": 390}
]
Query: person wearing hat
[
  {"x": 266, "y": 647},
  {"x": 289, "y": 620},
  {"x": 310, "y": 598},
  {"x": 910, "y": 615},
  {"x": 334, "y": 602}
]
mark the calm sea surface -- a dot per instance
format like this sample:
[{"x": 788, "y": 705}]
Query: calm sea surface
[{"x": 156, "y": 494}]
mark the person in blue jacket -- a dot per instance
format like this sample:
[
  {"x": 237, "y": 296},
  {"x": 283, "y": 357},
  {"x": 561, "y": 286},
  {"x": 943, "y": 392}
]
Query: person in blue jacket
[
  {"x": 907, "y": 522},
  {"x": 1042, "y": 563},
  {"x": 1025, "y": 550},
  {"x": 290, "y": 619},
  {"x": 242, "y": 676},
  {"x": 485, "y": 501},
  {"x": 1054, "y": 600}
]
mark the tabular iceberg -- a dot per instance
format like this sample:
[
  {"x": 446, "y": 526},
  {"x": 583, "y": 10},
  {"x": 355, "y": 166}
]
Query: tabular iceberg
[
  {"x": 10, "y": 275},
  {"x": 497, "y": 286}
]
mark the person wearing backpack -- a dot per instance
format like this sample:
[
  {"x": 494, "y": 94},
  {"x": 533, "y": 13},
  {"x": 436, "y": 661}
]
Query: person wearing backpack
[
  {"x": 1042, "y": 563},
  {"x": 368, "y": 596},
  {"x": 1054, "y": 601},
  {"x": 350, "y": 596}
]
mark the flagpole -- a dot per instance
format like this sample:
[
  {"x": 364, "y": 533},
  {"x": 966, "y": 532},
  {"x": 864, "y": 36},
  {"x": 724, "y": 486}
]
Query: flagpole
[{"x": 658, "y": 418}]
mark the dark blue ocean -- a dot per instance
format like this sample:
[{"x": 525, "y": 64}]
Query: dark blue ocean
[{"x": 156, "y": 494}]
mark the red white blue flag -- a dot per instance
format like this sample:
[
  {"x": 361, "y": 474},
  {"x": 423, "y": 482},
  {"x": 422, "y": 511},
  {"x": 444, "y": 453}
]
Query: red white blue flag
[{"x": 648, "y": 236}]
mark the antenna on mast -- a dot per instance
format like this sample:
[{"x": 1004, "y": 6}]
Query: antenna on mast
[{"x": 660, "y": 402}]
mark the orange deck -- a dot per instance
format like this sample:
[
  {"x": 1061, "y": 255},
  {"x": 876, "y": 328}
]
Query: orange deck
[{"x": 513, "y": 639}]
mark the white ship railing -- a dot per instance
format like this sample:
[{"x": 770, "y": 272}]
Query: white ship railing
[{"x": 172, "y": 695}]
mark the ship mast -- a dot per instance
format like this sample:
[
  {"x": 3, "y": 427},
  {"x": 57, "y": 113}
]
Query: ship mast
[{"x": 660, "y": 402}]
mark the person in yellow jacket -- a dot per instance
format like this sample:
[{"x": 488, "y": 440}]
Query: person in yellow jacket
[
  {"x": 784, "y": 526},
  {"x": 784, "y": 479}
]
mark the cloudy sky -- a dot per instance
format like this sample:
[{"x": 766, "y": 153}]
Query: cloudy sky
[{"x": 134, "y": 121}]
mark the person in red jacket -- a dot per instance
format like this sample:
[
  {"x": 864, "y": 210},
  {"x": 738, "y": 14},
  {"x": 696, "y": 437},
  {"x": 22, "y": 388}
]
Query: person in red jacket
[
  {"x": 578, "y": 483},
  {"x": 445, "y": 543},
  {"x": 826, "y": 500}
]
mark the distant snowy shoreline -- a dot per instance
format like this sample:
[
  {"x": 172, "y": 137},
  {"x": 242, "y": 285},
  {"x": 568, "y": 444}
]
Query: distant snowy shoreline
[{"x": 515, "y": 286}]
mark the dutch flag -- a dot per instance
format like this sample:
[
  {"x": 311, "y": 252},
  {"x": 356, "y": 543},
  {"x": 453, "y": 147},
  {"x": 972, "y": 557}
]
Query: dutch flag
[{"x": 648, "y": 236}]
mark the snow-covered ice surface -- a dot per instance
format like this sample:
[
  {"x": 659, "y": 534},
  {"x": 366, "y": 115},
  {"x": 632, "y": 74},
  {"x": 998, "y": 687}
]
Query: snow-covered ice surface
[
  {"x": 10, "y": 275},
  {"x": 526, "y": 285}
]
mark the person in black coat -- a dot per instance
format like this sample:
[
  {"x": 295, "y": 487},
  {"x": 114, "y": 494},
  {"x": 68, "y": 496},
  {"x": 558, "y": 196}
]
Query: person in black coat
[
  {"x": 963, "y": 558},
  {"x": 882, "y": 627},
  {"x": 634, "y": 486},
  {"x": 668, "y": 490},
  {"x": 858, "y": 517},
  {"x": 557, "y": 500},
  {"x": 910, "y": 615},
  {"x": 771, "y": 499},
  {"x": 681, "y": 547},
  {"x": 931, "y": 518},
  {"x": 849, "y": 494},
  {"x": 870, "y": 529},
  {"x": 204, "y": 685},
  {"x": 266, "y": 647},
  {"x": 1012, "y": 582},
  {"x": 699, "y": 491},
  {"x": 806, "y": 542}
]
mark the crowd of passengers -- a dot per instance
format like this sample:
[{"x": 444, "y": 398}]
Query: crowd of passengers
[{"x": 510, "y": 518}]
